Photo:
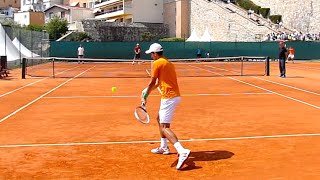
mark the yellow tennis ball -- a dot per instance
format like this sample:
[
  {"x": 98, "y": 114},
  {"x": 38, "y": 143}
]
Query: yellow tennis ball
[{"x": 114, "y": 89}]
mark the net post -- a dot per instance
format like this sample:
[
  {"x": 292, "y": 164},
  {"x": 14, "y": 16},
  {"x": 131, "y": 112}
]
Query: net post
[
  {"x": 24, "y": 61},
  {"x": 53, "y": 75},
  {"x": 242, "y": 65},
  {"x": 267, "y": 66}
]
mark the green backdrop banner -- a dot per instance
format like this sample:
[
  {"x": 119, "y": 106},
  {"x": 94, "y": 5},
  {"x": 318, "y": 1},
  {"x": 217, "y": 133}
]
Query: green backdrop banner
[{"x": 124, "y": 50}]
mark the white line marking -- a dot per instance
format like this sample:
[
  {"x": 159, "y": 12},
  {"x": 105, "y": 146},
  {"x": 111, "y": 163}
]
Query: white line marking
[
  {"x": 157, "y": 141},
  {"x": 289, "y": 86},
  {"x": 31, "y": 84},
  {"x": 297, "y": 100},
  {"x": 288, "y": 97},
  {"x": 183, "y": 95},
  {"x": 21, "y": 87},
  {"x": 13, "y": 113}
]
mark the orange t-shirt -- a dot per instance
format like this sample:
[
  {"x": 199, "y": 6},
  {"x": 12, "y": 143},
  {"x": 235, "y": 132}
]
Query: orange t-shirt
[
  {"x": 165, "y": 71},
  {"x": 291, "y": 51}
]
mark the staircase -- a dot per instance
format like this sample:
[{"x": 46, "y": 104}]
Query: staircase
[{"x": 228, "y": 22}]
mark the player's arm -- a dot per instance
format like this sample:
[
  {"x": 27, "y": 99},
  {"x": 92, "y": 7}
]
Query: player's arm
[{"x": 153, "y": 84}]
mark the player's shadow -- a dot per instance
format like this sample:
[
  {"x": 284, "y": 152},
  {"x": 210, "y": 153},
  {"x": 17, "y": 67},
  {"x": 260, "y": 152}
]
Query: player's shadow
[{"x": 203, "y": 156}]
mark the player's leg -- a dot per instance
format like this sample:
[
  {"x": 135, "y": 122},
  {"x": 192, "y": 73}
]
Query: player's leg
[
  {"x": 165, "y": 116},
  {"x": 292, "y": 58},
  {"x": 134, "y": 58}
]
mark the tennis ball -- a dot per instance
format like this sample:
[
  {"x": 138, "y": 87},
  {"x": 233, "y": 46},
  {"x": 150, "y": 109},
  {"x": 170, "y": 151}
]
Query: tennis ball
[{"x": 114, "y": 89}]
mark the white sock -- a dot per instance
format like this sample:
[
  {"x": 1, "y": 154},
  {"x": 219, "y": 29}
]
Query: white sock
[
  {"x": 178, "y": 147},
  {"x": 163, "y": 143}
]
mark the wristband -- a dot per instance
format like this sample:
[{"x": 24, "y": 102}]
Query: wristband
[{"x": 145, "y": 95}]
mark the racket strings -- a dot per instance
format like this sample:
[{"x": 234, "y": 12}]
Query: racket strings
[{"x": 142, "y": 115}]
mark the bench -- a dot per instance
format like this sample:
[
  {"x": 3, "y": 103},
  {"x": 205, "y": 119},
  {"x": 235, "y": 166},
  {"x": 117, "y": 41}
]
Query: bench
[{"x": 4, "y": 73}]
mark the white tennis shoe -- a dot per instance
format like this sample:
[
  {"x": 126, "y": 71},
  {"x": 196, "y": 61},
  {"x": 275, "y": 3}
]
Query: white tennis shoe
[
  {"x": 161, "y": 150},
  {"x": 182, "y": 158}
]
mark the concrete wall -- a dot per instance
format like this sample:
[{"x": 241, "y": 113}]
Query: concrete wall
[
  {"x": 22, "y": 18},
  {"x": 80, "y": 14},
  {"x": 302, "y": 15},
  {"x": 37, "y": 18},
  {"x": 147, "y": 11}
]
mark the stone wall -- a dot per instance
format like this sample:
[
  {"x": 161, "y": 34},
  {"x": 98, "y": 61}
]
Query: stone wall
[
  {"x": 223, "y": 24},
  {"x": 118, "y": 31},
  {"x": 301, "y": 15}
]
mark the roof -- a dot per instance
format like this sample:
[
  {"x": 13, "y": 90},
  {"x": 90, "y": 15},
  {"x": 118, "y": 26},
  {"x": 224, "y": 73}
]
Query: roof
[{"x": 66, "y": 7}]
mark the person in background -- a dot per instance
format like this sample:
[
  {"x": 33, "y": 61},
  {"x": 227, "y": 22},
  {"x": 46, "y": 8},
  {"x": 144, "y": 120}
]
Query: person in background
[
  {"x": 80, "y": 53},
  {"x": 137, "y": 53},
  {"x": 283, "y": 54},
  {"x": 199, "y": 53}
]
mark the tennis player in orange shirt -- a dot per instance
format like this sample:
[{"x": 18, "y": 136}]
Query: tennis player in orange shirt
[
  {"x": 163, "y": 75},
  {"x": 291, "y": 54}
]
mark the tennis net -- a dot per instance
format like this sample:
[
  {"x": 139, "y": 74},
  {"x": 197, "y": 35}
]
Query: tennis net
[{"x": 58, "y": 67}]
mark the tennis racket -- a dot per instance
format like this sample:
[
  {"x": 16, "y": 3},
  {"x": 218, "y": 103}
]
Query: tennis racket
[{"x": 141, "y": 114}]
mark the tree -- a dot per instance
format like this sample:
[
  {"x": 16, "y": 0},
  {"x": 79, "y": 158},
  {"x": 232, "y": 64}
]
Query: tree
[{"x": 56, "y": 27}]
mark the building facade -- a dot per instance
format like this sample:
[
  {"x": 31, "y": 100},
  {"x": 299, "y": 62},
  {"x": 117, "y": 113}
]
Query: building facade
[
  {"x": 177, "y": 16},
  {"x": 69, "y": 13},
  {"x": 130, "y": 11},
  {"x": 26, "y": 18}
]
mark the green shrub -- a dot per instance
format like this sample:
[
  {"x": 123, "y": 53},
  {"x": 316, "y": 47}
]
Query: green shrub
[
  {"x": 172, "y": 39},
  {"x": 80, "y": 36},
  {"x": 265, "y": 12},
  {"x": 147, "y": 36},
  {"x": 247, "y": 4},
  {"x": 276, "y": 18}
]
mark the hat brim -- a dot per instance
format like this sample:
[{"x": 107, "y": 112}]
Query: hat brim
[{"x": 148, "y": 51}]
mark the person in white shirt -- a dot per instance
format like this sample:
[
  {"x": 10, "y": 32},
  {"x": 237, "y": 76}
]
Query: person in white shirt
[{"x": 80, "y": 53}]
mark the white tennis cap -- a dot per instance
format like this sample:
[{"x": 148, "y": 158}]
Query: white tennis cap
[{"x": 155, "y": 47}]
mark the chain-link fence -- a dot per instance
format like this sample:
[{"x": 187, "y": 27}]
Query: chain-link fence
[{"x": 19, "y": 42}]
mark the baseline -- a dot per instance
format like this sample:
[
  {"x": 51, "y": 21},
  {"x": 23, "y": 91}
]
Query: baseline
[{"x": 135, "y": 96}]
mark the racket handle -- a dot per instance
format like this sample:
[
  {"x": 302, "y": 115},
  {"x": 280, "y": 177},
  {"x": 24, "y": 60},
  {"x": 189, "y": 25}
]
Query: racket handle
[{"x": 143, "y": 104}]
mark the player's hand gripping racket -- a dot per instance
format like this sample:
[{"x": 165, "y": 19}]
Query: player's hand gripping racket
[{"x": 141, "y": 114}]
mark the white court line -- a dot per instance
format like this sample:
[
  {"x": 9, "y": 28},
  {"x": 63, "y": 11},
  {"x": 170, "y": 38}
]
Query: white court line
[
  {"x": 279, "y": 94},
  {"x": 157, "y": 141},
  {"x": 31, "y": 84},
  {"x": 183, "y": 95},
  {"x": 289, "y": 86},
  {"x": 35, "y": 100}
]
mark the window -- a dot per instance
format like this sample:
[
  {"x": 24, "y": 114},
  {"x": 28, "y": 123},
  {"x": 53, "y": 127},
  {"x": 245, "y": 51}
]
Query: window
[
  {"x": 63, "y": 14},
  {"x": 24, "y": 2},
  {"x": 91, "y": 4},
  {"x": 51, "y": 15}
]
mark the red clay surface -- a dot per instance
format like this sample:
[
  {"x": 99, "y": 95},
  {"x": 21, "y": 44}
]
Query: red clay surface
[{"x": 238, "y": 127}]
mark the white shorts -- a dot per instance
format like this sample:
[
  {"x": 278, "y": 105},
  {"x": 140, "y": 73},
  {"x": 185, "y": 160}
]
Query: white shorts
[
  {"x": 167, "y": 108},
  {"x": 291, "y": 56}
]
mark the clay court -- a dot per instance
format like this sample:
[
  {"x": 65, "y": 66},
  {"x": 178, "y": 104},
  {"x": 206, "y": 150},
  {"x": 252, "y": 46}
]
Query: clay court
[{"x": 238, "y": 127}]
